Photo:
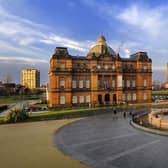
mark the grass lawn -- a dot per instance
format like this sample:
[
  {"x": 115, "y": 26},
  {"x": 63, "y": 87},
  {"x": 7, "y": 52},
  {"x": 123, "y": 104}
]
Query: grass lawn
[
  {"x": 2, "y": 119},
  {"x": 14, "y": 99},
  {"x": 69, "y": 111},
  {"x": 160, "y": 92},
  {"x": 9, "y": 100},
  {"x": 60, "y": 112}
]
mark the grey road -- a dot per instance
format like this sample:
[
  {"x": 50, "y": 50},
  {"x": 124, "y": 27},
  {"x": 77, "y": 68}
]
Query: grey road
[{"x": 108, "y": 141}]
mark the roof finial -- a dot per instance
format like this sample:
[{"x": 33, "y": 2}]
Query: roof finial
[{"x": 101, "y": 40}]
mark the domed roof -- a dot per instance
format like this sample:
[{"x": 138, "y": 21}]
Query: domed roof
[
  {"x": 101, "y": 48},
  {"x": 101, "y": 40}
]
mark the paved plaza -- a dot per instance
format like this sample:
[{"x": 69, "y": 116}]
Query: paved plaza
[
  {"x": 109, "y": 141},
  {"x": 30, "y": 145}
]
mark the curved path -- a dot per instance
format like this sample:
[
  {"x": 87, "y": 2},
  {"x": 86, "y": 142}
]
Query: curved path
[
  {"x": 108, "y": 141},
  {"x": 30, "y": 145}
]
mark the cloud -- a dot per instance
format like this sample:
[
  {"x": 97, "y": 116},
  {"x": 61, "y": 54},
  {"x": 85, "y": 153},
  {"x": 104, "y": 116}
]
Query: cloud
[
  {"x": 150, "y": 20},
  {"x": 19, "y": 30},
  {"x": 148, "y": 26},
  {"x": 73, "y": 44},
  {"x": 159, "y": 68},
  {"x": 141, "y": 26},
  {"x": 23, "y": 60},
  {"x": 5, "y": 14},
  {"x": 23, "y": 36},
  {"x": 9, "y": 49}
]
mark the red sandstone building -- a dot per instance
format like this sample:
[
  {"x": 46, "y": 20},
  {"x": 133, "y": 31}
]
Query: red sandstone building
[{"x": 100, "y": 78}]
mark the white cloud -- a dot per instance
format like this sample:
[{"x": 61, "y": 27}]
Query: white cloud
[
  {"x": 21, "y": 36},
  {"x": 27, "y": 60},
  {"x": 149, "y": 20},
  {"x": 159, "y": 68},
  {"x": 5, "y": 14},
  {"x": 143, "y": 27},
  {"x": 11, "y": 49},
  {"x": 73, "y": 44},
  {"x": 148, "y": 27}
]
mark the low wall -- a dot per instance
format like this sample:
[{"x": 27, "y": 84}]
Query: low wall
[{"x": 155, "y": 118}]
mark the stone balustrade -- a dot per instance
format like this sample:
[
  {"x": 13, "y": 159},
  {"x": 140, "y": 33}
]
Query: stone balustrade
[{"x": 155, "y": 118}]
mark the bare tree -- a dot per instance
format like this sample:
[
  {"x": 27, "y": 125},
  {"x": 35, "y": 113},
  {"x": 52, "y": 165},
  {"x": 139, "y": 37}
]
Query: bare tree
[
  {"x": 8, "y": 79},
  {"x": 8, "y": 84}
]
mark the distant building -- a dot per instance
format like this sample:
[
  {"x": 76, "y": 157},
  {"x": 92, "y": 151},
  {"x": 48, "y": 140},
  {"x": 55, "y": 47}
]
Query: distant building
[
  {"x": 100, "y": 78},
  {"x": 156, "y": 85},
  {"x": 165, "y": 84},
  {"x": 167, "y": 73},
  {"x": 31, "y": 78}
]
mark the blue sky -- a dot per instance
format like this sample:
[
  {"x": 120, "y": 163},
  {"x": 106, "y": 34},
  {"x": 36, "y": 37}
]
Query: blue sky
[{"x": 31, "y": 29}]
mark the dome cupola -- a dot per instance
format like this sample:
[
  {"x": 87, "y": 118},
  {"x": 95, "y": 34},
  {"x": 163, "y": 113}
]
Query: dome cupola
[{"x": 101, "y": 48}]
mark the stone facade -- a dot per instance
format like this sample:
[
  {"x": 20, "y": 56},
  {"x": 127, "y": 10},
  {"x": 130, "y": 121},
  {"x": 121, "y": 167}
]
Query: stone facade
[{"x": 100, "y": 78}]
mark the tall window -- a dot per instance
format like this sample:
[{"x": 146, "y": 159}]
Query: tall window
[
  {"x": 133, "y": 83},
  {"x": 62, "y": 83},
  {"x": 134, "y": 96},
  {"x": 145, "y": 83},
  {"x": 62, "y": 66},
  {"x": 113, "y": 67},
  {"x": 98, "y": 67},
  {"x": 128, "y": 83},
  {"x": 81, "y": 84},
  {"x": 145, "y": 96},
  {"x": 74, "y": 99},
  {"x": 106, "y": 67},
  {"x": 123, "y": 97},
  {"x": 81, "y": 99},
  {"x": 145, "y": 68},
  {"x": 88, "y": 99},
  {"x": 62, "y": 99},
  {"x": 119, "y": 80},
  {"x": 87, "y": 83},
  {"x": 123, "y": 83},
  {"x": 129, "y": 97},
  {"x": 105, "y": 84},
  {"x": 74, "y": 84},
  {"x": 99, "y": 83},
  {"x": 113, "y": 83}
]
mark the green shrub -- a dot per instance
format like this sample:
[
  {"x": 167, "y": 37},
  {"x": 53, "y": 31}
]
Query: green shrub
[{"x": 16, "y": 115}]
